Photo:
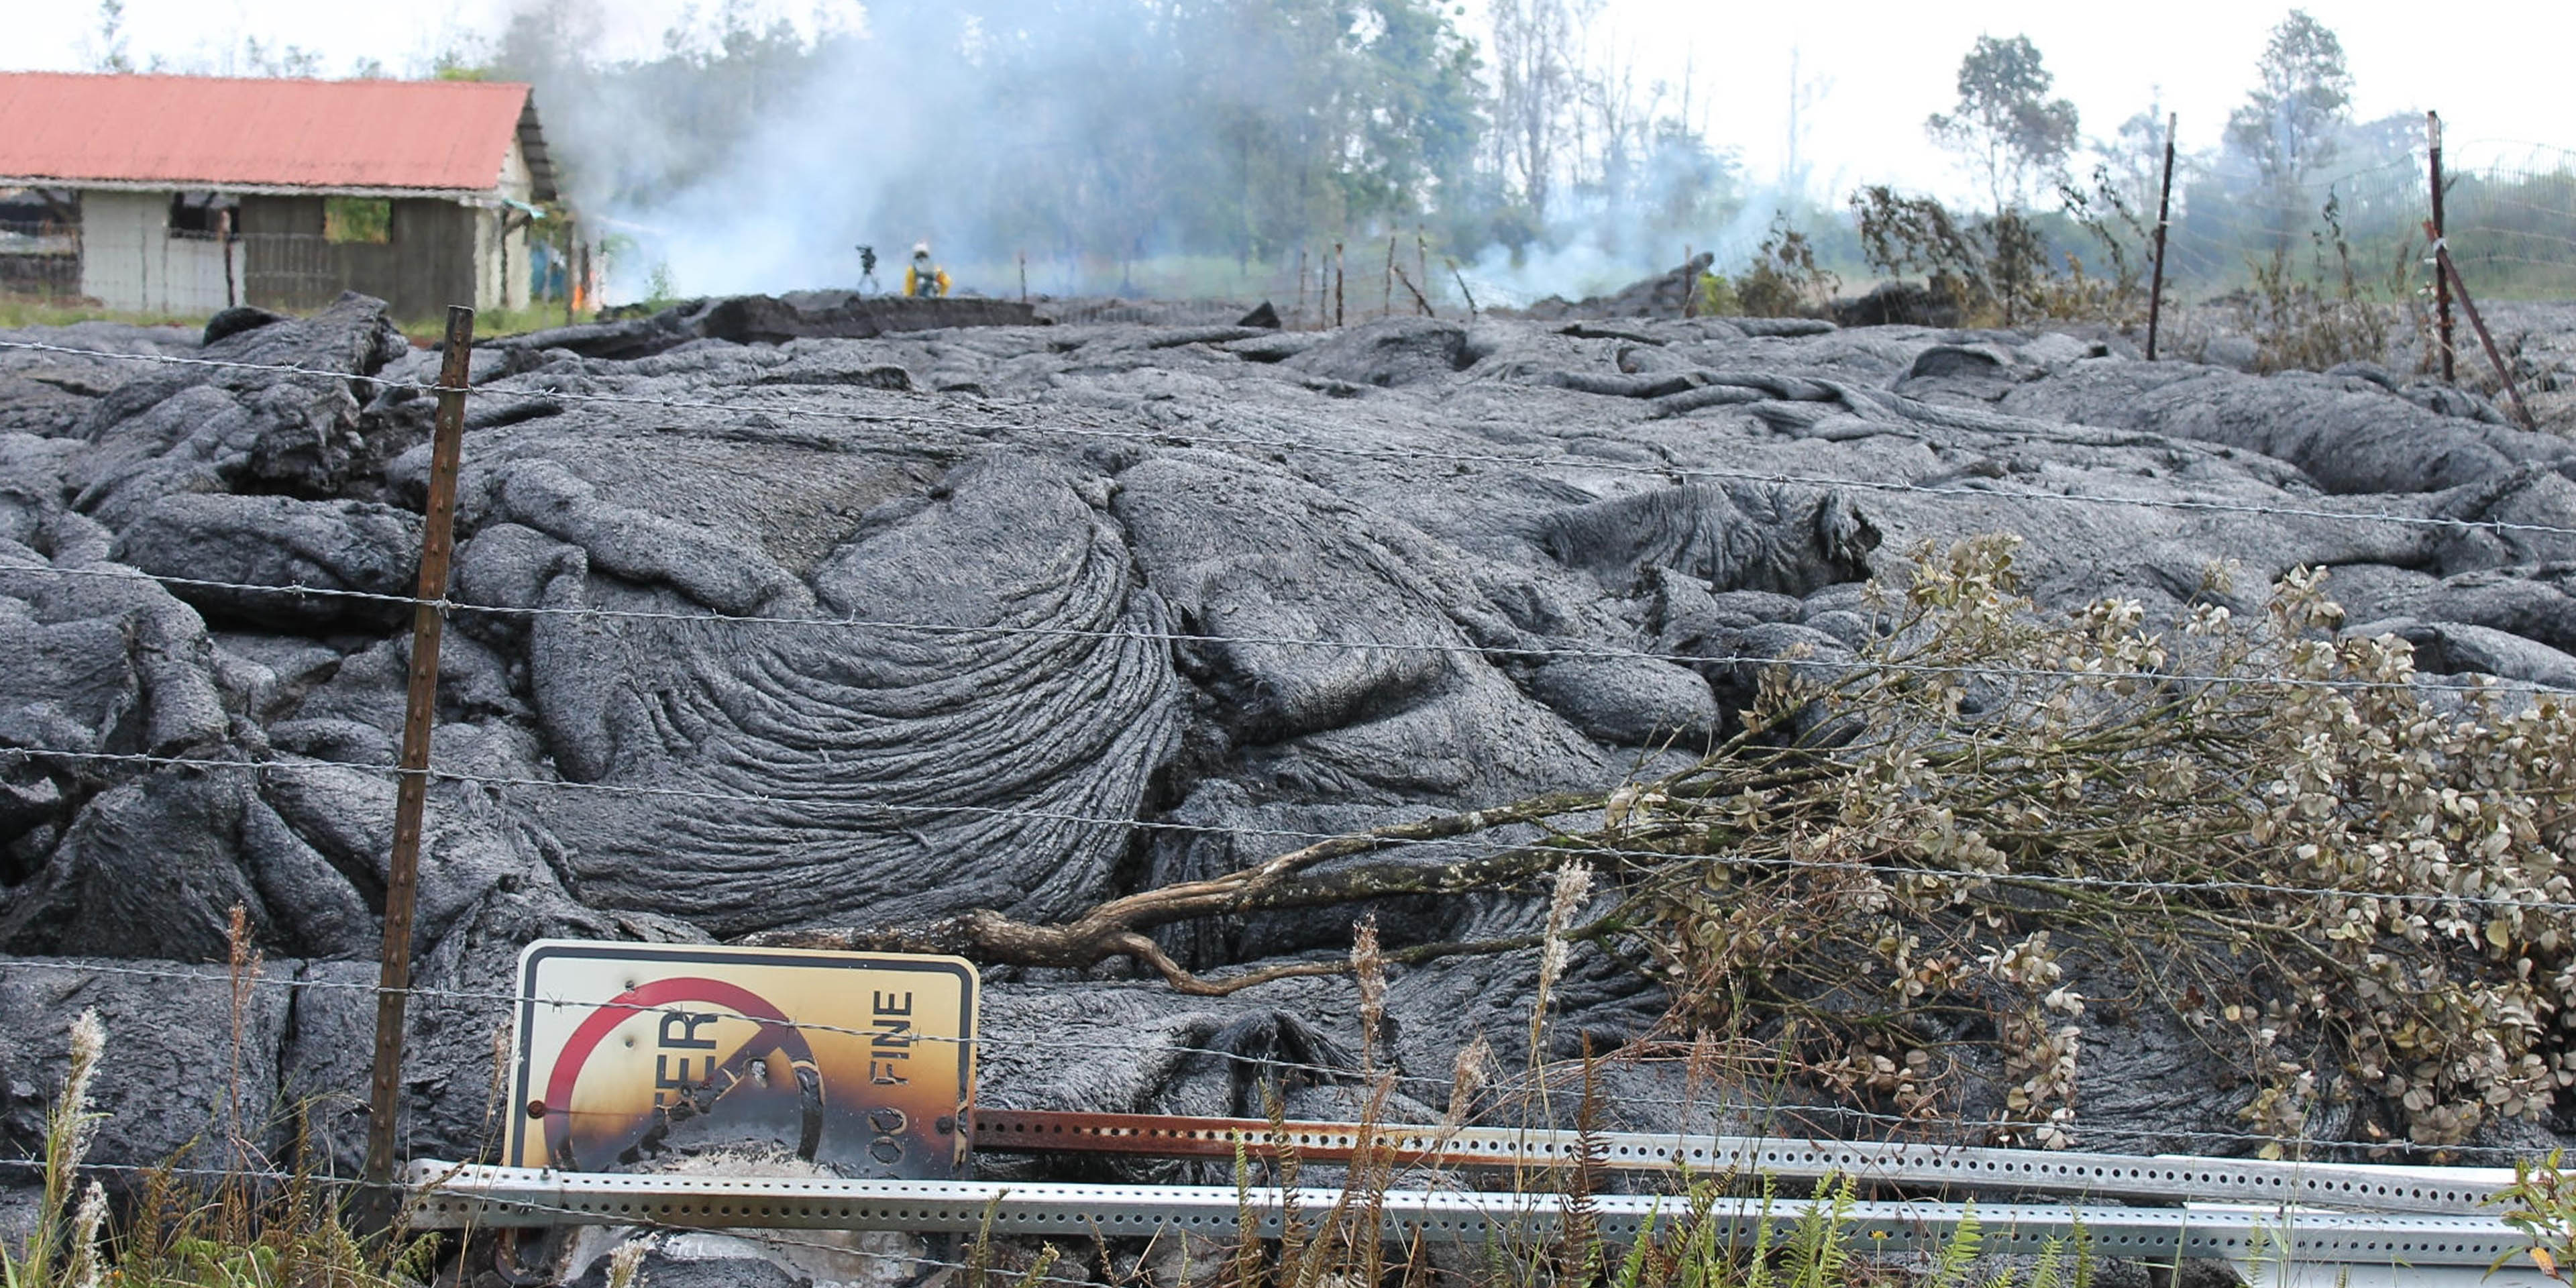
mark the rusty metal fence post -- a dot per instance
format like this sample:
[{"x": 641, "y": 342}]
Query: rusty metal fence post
[
  {"x": 402, "y": 883},
  {"x": 2444, "y": 265},
  {"x": 1338, "y": 296},
  {"x": 224, "y": 236},
  {"x": 1466, "y": 294},
  {"x": 2441, "y": 229},
  {"x": 1422, "y": 268},
  {"x": 2164, "y": 220},
  {"x": 1386, "y": 308}
]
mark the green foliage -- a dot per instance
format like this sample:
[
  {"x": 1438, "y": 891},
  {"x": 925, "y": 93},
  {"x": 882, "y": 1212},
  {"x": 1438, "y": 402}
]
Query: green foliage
[
  {"x": 1717, "y": 297},
  {"x": 1992, "y": 268},
  {"x": 2005, "y": 268},
  {"x": 232, "y": 1233},
  {"x": 1951, "y": 1264},
  {"x": 2004, "y": 126},
  {"x": 492, "y": 324},
  {"x": 2327, "y": 317},
  {"x": 108, "y": 48},
  {"x": 1820, "y": 1249},
  {"x": 20, "y": 311},
  {"x": 2541, "y": 1203},
  {"x": 363, "y": 220},
  {"x": 1785, "y": 279}
]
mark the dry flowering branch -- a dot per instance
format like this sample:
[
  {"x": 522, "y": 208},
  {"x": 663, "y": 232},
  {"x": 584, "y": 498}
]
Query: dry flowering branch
[{"x": 2350, "y": 888}]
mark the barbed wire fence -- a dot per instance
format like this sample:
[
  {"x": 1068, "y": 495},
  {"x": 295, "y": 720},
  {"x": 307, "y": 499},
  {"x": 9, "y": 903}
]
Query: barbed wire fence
[{"x": 497, "y": 1006}]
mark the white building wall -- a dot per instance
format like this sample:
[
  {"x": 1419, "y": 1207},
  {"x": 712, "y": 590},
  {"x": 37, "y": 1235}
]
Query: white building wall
[
  {"x": 514, "y": 291},
  {"x": 487, "y": 258},
  {"x": 119, "y": 236},
  {"x": 517, "y": 181},
  {"x": 518, "y": 184},
  {"x": 192, "y": 279},
  {"x": 500, "y": 258},
  {"x": 130, "y": 261}
]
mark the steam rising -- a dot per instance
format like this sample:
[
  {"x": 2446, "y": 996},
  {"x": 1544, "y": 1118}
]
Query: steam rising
[{"x": 1123, "y": 145}]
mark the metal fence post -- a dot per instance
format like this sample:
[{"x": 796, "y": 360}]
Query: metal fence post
[
  {"x": 2444, "y": 264},
  {"x": 224, "y": 232},
  {"x": 1386, "y": 309},
  {"x": 1338, "y": 296},
  {"x": 1301, "y": 288},
  {"x": 2164, "y": 220},
  {"x": 1422, "y": 268},
  {"x": 2441, "y": 228},
  {"x": 402, "y": 884},
  {"x": 1468, "y": 295}
]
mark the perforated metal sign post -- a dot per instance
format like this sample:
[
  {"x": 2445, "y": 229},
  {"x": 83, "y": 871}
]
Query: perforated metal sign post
[{"x": 861, "y": 1062}]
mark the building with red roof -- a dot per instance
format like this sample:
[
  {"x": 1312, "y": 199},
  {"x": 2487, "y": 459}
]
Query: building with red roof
[{"x": 184, "y": 194}]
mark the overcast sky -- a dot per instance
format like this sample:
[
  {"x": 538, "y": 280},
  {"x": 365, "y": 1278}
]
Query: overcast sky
[{"x": 1875, "y": 69}]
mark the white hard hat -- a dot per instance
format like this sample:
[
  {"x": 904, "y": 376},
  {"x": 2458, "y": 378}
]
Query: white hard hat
[{"x": 921, "y": 248}]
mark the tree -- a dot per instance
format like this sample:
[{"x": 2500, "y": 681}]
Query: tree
[
  {"x": 2135, "y": 154},
  {"x": 2005, "y": 127},
  {"x": 260, "y": 58},
  {"x": 107, "y": 51},
  {"x": 2287, "y": 126},
  {"x": 1534, "y": 87}
]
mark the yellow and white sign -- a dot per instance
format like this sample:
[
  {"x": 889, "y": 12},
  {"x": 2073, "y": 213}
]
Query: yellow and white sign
[{"x": 629, "y": 1053}]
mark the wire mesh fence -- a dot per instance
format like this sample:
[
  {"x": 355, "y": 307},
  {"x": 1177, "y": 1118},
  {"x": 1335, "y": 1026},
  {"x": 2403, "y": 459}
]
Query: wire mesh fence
[
  {"x": 287, "y": 270},
  {"x": 1373, "y": 277},
  {"x": 165, "y": 271},
  {"x": 2510, "y": 225},
  {"x": 40, "y": 261}
]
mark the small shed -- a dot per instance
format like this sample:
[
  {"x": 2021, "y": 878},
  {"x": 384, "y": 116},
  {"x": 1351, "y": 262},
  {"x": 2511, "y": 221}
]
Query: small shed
[{"x": 185, "y": 194}]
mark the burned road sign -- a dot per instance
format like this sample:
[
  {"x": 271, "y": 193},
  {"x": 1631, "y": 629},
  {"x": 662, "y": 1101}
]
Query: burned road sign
[{"x": 632, "y": 1053}]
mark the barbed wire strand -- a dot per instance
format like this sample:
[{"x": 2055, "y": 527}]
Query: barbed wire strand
[
  {"x": 1574, "y": 847},
  {"x": 1348, "y": 1078},
  {"x": 2493, "y": 685},
  {"x": 1178, "y": 433}
]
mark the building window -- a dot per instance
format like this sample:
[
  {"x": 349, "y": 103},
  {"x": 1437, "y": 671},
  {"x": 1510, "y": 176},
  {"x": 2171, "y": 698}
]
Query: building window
[
  {"x": 367, "y": 220},
  {"x": 199, "y": 212}
]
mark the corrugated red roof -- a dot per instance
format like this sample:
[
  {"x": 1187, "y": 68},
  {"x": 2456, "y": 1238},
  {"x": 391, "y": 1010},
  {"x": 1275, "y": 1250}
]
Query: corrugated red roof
[{"x": 205, "y": 131}]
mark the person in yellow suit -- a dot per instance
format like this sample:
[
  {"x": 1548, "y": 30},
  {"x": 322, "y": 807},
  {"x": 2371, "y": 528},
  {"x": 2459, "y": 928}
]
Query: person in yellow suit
[{"x": 923, "y": 278}]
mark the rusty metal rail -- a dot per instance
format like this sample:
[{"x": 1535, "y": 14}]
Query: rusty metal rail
[{"x": 2357, "y": 1186}]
